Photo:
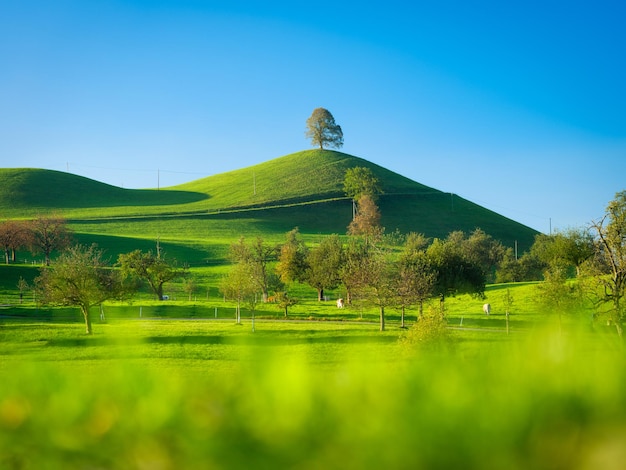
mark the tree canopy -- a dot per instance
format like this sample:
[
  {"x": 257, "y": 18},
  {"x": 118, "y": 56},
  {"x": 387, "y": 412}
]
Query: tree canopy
[
  {"x": 322, "y": 129},
  {"x": 79, "y": 278},
  {"x": 361, "y": 181}
]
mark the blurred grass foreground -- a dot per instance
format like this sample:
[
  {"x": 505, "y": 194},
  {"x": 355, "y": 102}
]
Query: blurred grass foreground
[{"x": 543, "y": 400}]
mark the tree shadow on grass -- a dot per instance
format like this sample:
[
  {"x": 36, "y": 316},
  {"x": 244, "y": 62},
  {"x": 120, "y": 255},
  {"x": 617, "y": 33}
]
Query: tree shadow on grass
[{"x": 255, "y": 339}]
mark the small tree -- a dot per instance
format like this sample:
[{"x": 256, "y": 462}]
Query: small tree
[
  {"x": 379, "y": 281},
  {"x": 239, "y": 286},
  {"x": 322, "y": 130},
  {"x": 556, "y": 294},
  {"x": 80, "y": 278},
  {"x": 366, "y": 221},
  {"x": 508, "y": 302},
  {"x": 416, "y": 276},
  {"x": 292, "y": 256},
  {"x": 455, "y": 273},
  {"x": 284, "y": 302},
  {"x": 361, "y": 181},
  {"x": 13, "y": 235},
  {"x": 324, "y": 264},
  {"x": 258, "y": 255},
  {"x": 610, "y": 272},
  {"x": 49, "y": 234},
  {"x": 148, "y": 267},
  {"x": 190, "y": 286},
  {"x": 22, "y": 286}
]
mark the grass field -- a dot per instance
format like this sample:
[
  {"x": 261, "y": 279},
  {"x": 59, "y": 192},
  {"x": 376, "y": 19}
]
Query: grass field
[{"x": 179, "y": 389}]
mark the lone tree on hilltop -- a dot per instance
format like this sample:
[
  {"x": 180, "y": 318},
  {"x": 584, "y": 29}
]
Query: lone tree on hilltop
[{"x": 322, "y": 129}]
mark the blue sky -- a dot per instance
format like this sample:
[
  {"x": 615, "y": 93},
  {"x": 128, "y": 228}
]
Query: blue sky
[{"x": 516, "y": 106}]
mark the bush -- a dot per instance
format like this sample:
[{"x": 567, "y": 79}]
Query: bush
[{"x": 430, "y": 332}]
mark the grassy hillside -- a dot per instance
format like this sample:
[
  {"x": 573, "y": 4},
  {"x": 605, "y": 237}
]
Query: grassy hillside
[
  {"x": 304, "y": 189},
  {"x": 28, "y": 191}
]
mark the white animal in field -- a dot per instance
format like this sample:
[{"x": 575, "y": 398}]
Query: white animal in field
[
  {"x": 487, "y": 309},
  {"x": 339, "y": 303}
]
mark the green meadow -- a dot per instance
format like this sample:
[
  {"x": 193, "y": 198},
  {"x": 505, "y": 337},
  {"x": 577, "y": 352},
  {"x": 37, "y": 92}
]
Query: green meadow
[{"x": 177, "y": 388}]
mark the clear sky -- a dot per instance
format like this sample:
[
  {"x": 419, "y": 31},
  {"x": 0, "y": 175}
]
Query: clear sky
[{"x": 517, "y": 106}]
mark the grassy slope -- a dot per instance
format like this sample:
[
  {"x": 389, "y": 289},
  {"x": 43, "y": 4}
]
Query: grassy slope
[{"x": 303, "y": 189}]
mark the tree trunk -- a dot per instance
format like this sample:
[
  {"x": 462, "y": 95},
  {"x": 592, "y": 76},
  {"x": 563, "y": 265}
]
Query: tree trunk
[
  {"x": 320, "y": 294},
  {"x": 382, "y": 318},
  {"x": 402, "y": 318},
  {"x": 85, "y": 310},
  {"x": 6, "y": 256}
]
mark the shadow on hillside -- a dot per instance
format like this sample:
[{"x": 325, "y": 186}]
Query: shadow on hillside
[{"x": 130, "y": 197}]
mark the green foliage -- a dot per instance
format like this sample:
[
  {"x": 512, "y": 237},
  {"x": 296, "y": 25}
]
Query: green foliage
[
  {"x": 324, "y": 265},
  {"x": 429, "y": 332},
  {"x": 150, "y": 268},
  {"x": 361, "y": 181},
  {"x": 609, "y": 268},
  {"x": 79, "y": 278},
  {"x": 455, "y": 272}
]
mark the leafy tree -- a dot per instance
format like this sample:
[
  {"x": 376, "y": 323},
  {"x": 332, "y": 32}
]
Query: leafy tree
[
  {"x": 378, "y": 281},
  {"x": 610, "y": 248},
  {"x": 455, "y": 273},
  {"x": 573, "y": 247},
  {"x": 510, "y": 269},
  {"x": 190, "y": 286},
  {"x": 239, "y": 285},
  {"x": 483, "y": 250},
  {"x": 324, "y": 265},
  {"x": 258, "y": 255},
  {"x": 352, "y": 275},
  {"x": 416, "y": 276},
  {"x": 322, "y": 130},
  {"x": 556, "y": 294},
  {"x": 80, "y": 278},
  {"x": 292, "y": 263},
  {"x": 150, "y": 268},
  {"x": 284, "y": 302},
  {"x": 361, "y": 181},
  {"x": 49, "y": 234}
]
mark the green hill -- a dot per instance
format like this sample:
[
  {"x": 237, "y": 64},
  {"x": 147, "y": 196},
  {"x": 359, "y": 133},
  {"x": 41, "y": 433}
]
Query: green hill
[{"x": 304, "y": 189}]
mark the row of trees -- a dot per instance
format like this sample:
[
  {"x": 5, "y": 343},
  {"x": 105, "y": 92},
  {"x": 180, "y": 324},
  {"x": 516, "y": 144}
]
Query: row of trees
[
  {"x": 82, "y": 277},
  {"x": 366, "y": 269},
  {"x": 43, "y": 235}
]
